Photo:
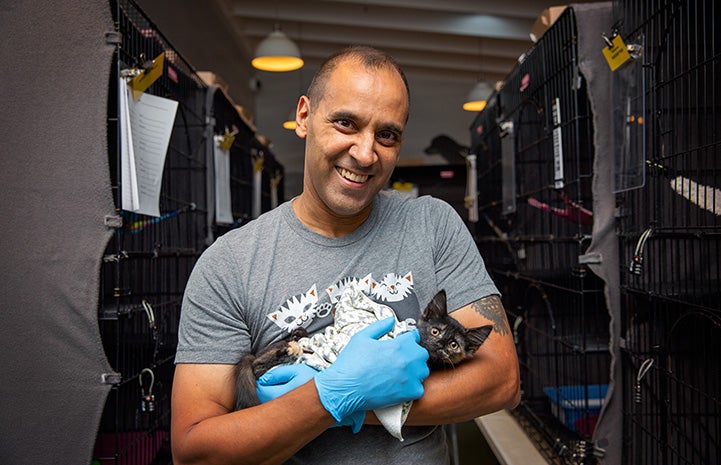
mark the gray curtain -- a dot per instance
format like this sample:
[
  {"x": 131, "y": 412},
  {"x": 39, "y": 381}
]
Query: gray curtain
[
  {"x": 54, "y": 75},
  {"x": 592, "y": 20}
]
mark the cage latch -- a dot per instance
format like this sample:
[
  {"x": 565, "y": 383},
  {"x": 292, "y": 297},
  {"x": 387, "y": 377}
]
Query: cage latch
[{"x": 506, "y": 128}]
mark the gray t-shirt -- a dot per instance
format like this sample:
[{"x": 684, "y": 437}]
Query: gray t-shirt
[{"x": 257, "y": 283}]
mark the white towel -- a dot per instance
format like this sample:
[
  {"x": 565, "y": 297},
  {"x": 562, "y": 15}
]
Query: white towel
[{"x": 353, "y": 312}]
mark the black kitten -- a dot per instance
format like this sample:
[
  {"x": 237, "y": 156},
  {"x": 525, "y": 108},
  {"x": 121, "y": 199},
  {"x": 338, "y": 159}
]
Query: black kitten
[
  {"x": 251, "y": 367},
  {"x": 447, "y": 341}
]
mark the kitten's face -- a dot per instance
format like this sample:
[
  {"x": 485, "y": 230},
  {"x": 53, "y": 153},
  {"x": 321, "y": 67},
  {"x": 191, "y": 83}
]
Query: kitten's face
[{"x": 447, "y": 341}]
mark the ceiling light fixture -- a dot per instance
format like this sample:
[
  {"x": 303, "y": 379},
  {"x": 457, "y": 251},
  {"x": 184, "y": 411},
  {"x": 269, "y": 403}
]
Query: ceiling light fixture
[
  {"x": 477, "y": 97},
  {"x": 290, "y": 123},
  {"x": 277, "y": 53}
]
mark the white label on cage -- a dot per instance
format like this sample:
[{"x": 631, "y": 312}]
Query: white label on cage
[
  {"x": 557, "y": 145},
  {"x": 223, "y": 198}
]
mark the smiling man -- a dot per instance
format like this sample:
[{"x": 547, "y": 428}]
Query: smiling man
[
  {"x": 286, "y": 269},
  {"x": 353, "y": 125}
]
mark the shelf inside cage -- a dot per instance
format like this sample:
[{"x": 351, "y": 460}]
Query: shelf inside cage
[{"x": 570, "y": 405}]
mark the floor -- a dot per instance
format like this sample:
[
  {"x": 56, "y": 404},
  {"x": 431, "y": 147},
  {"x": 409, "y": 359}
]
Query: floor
[{"x": 472, "y": 446}]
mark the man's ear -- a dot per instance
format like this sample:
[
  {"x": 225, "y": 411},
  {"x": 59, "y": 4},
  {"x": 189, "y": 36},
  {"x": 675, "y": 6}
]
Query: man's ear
[{"x": 301, "y": 116}]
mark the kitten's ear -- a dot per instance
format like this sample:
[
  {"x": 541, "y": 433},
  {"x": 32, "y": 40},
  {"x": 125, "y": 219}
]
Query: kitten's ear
[
  {"x": 477, "y": 336},
  {"x": 437, "y": 307}
]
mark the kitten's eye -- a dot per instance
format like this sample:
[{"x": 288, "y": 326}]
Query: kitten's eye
[
  {"x": 435, "y": 332},
  {"x": 453, "y": 345}
]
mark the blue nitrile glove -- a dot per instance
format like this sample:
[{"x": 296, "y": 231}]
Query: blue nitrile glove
[
  {"x": 282, "y": 379},
  {"x": 354, "y": 420},
  {"x": 370, "y": 374}
]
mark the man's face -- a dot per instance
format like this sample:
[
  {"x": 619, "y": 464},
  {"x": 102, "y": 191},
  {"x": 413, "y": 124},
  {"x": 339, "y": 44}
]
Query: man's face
[{"x": 353, "y": 137}]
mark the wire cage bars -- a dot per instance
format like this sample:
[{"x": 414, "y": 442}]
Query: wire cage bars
[
  {"x": 670, "y": 231},
  {"x": 536, "y": 138},
  {"x": 149, "y": 259},
  {"x": 250, "y": 162},
  {"x": 486, "y": 144}
]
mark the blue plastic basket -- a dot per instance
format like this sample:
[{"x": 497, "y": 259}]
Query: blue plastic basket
[{"x": 568, "y": 404}]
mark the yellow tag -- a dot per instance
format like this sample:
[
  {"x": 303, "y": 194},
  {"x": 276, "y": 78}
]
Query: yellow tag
[
  {"x": 403, "y": 186},
  {"x": 143, "y": 80},
  {"x": 258, "y": 165},
  {"x": 227, "y": 142},
  {"x": 617, "y": 54}
]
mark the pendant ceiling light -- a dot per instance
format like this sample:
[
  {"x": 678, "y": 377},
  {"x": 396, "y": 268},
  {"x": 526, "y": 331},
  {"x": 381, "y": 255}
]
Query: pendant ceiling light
[
  {"x": 289, "y": 123},
  {"x": 277, "y": 53},
  {"x": 477, "y": 97}
]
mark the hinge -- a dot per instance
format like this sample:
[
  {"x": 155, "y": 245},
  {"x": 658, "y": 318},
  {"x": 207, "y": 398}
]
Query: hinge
[
  {"x": 590, "y": 259},
  {"x": 113, "y": 221},
  {"x": 113, "y": 38},
  {"x": 111, "y": 378}
]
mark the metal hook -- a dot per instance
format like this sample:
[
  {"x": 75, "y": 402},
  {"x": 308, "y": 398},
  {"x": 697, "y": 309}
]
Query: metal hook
[
  {"x": 645, "y": 366},
  {"x": 150, "y": 313},
  {"x": 516, "y": 324},
  {"x": 637, "y": 260},
  {"x": 608, "y": 41}
]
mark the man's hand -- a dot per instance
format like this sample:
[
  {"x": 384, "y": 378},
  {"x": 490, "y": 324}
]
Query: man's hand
[
  {"x": 370, "y": 374},
  {"x": 283, "y": 379}
]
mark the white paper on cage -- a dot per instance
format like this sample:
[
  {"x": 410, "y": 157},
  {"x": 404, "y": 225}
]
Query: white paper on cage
[
  {"x": 221, "y": 161},
  {"x": 145, "y": 128},
  {"x": 128, "y": 181}
]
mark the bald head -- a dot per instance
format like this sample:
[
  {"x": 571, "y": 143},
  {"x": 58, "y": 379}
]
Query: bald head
[{"x": 369, "y": 57}]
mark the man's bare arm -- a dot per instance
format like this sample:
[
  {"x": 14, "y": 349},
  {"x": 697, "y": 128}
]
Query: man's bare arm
[
  {"x": 206, "y": 430},
  {"x": 492, "y": 309}
]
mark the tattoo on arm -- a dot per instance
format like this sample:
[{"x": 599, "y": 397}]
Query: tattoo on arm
[{"x": 492, "y": 308}]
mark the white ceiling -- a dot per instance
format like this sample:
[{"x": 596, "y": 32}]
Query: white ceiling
[{"x": 444, "y": 47}]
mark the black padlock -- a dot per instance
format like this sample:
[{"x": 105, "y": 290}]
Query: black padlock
[{"x": 147, "y": 401}]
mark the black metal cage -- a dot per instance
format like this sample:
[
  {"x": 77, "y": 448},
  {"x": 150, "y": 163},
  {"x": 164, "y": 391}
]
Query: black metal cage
[
  {"x": 535, "y": 156},
  {"x": 670, "y": 232},
  {"x": 149, "y": 258}
]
